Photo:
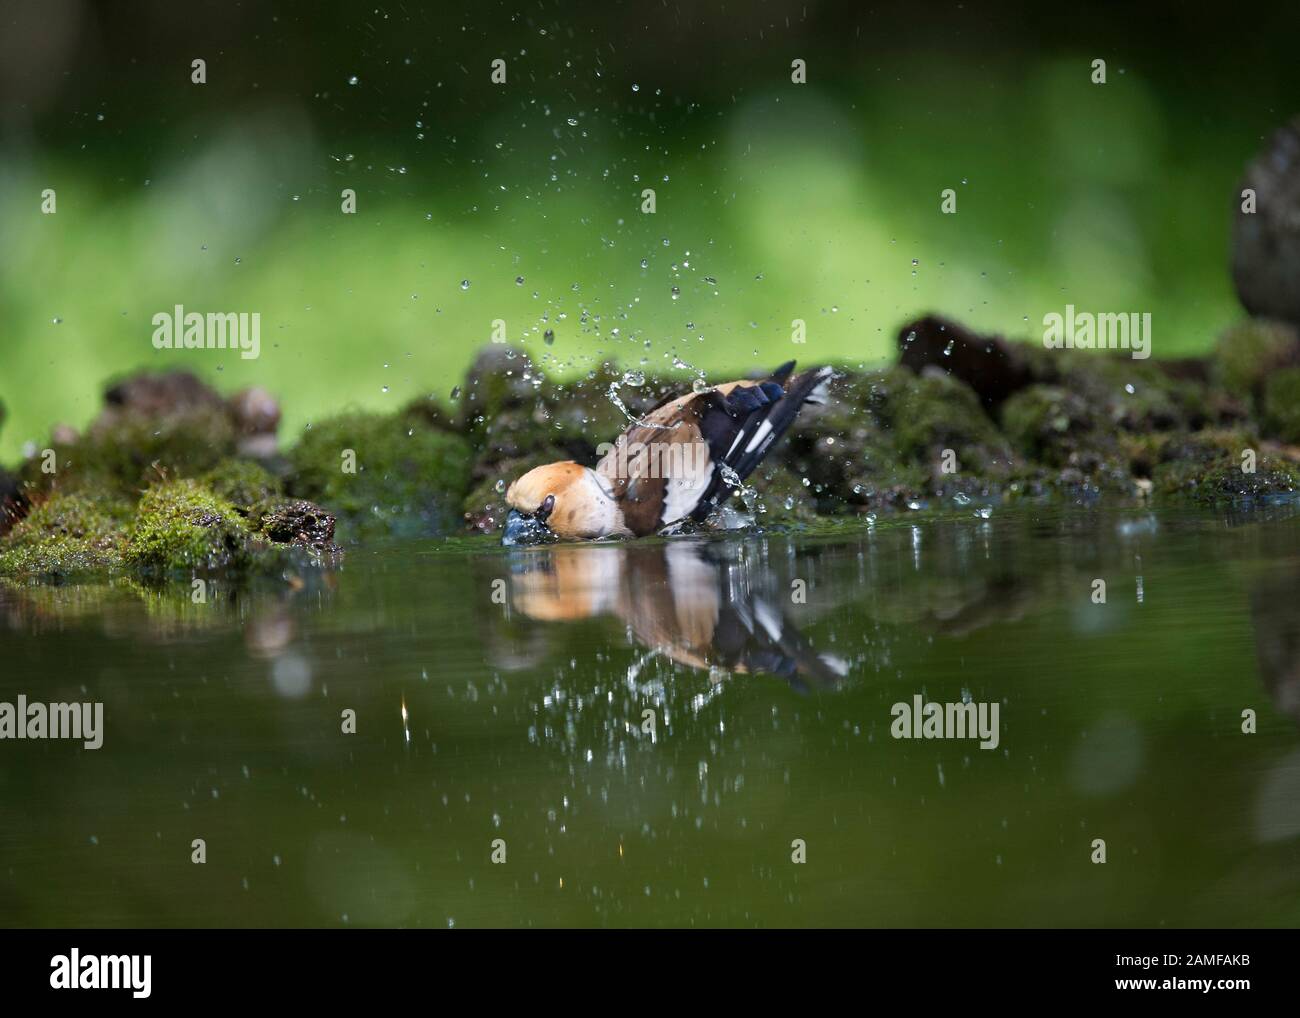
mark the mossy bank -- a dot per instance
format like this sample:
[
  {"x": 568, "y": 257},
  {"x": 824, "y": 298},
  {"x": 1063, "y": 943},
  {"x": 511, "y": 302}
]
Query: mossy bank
[{"x": 174, "y": 479}]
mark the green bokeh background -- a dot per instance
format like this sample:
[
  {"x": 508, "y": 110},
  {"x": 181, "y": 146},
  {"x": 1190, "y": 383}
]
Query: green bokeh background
[{"x": 775, "y": 201}]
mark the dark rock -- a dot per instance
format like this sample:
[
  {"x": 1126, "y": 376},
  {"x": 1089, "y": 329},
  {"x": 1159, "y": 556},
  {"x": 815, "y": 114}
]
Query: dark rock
[
  {"x": 992, "y": 366},
  {"x": 1266, "y": 243},
  {"x": 169, "y": 394},
  {"x": 299, "y": 522}
]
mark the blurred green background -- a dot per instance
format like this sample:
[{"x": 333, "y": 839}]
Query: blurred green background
[{"x": 775, "y": 201}]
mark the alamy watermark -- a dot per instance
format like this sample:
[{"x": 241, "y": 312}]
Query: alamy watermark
[
  {"x": 965, "y": 720},
  {"x": 75, "y": 971},
  {"x": 657, "y": 459},
  {"x": 1084, "y": 330},
  {"x": 182, "y": 330},
  {"x": 25, "y": 720}
]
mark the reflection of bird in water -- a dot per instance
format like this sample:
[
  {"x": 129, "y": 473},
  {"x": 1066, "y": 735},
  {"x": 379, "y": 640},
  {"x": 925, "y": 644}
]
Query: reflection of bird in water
[{"x": 679, "y": 600}]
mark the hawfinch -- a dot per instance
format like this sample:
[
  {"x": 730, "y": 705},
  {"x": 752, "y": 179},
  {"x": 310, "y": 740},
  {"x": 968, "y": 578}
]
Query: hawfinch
[
  {"x": 682, "y": 600},
  {"x": 677, "y": 463}
]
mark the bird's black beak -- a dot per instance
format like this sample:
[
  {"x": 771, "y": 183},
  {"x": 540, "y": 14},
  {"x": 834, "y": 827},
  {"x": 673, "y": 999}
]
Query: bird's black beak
[{"x": 521, "y": 529}]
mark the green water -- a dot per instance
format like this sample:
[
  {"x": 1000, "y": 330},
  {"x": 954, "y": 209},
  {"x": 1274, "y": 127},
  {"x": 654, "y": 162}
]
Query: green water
[{"x": 524, "y": 722}]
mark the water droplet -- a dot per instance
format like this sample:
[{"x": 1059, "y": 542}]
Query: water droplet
[
  {"x": 636, "y": 87},
  {"x": 464, "y": 284},
  {"x": 354, "y": 80},
  {"x": 549, "y": 336},
  {"x": 519, "y": 280},
  {"x": 455, "y": 392},
  {"x": 676, "y": 292}
]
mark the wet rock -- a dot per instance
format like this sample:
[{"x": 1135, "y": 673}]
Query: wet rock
[
  {"x": 1209, "y": 466},
  {"x": 64, "y": 536},
  {"x": 382, "y": 476},
  {"x": 1266, "y": 243},
  {"x": 993, "y": 367},
  {"x": 298, "y": 522}
]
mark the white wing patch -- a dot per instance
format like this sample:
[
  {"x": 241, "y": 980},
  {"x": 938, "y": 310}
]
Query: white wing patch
[
  {"x": 763, "y": 431},
  {"x": 682, "y": 492}
]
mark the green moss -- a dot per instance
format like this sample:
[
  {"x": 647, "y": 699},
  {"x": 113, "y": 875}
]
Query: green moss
[
  {"x": 66, "y": 535},
  {"x": 182, "y": 525},
  {"x": 1281, "y": 404},
  {"x": 246, "y": 485},
  {"x": 409, "y": 481},
  {"x": 934, "y": 412},
  {"x": 1248, "y": 352},
  {"x": 1208, "y": 466},
  {"x": 1059, "y": 428},
  {"x": 132, "y": 451},
  {"x": 1136, "y": 396}
]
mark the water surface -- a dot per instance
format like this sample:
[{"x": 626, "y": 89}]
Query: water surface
[{"x": 501, "y": 696}]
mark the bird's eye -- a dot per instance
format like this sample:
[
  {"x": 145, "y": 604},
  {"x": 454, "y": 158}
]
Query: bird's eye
[{"x": 544, "y": 510}]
